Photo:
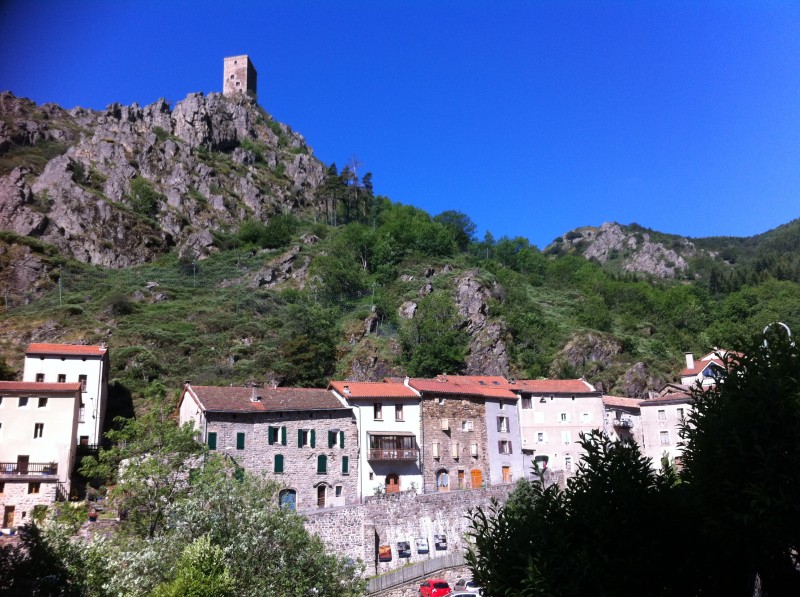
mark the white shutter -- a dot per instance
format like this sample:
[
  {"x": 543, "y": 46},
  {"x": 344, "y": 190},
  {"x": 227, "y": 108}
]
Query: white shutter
[
  {"x": 454, "y": 450},
  {"x": 435, "y": 449},
  {"x": 445, "y": 425}
]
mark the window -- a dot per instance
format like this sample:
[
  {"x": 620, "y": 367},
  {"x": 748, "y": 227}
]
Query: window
[
  {"x": 680, "y": 413},
  {"x": 377, "y": 411},
  {"x": 502, "y": 405},
  {"x": 278, "y": 468},
  {"x": 662, "y": 415},
  {"x": 23, "y": 401},
  {"x": 42, "y": 402},
  {"x": 306, "y": 438},
  {"x": 272, "y": 435},
  {"x": 441, "y": 401},
  {"x": 436, "y": 449},
  {"x": 82, "y": 413},
  {"x": 502, "y": 424},
  {"x": 62, "y": 378},
  {"x": 2, "y": 488},
  {"x": 38, "y": 430},
  {"x": 322, "y": 464},
  {"x": 454, "y": 450},
  {"x": 34, "y": 487},
  {"x": 466, "y": 425},
  {"x": 240, "y": 440},
  {"x": 568, "y": 463},
  {"x": 540, "y": 438},
  {"x": 82, "y": 381},
  {"x": 664, "y": 437},
  {"x": 212, "y": 440},
  {"x": 398, "y": 412},
  {"x": 504, "y": 446},
  {"x": 526, "y": 403},
  {"x": 445, "y": 424},
  {"x": 345, "y": 465},
  {"x": 40, "y": 377},
  {"x": 288, "y": 499},
  {"x": 566, "y": 437},
  {"x": 564, "y": 418},
  {"x": 1, "y": 401},
  {"x": 332, "y": 437},
  {"x": 473, "y": 449},
  {"x": 338, "y": 491},
  {"x": 586, "y": 417}
]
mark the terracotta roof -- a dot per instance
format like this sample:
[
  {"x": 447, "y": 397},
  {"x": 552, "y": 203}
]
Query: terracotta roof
[
  {"x": 439, "y": 386},
  {"x": 701, "y": 365},
  {"x": 66, "y": 349},
  {"x": 239, "y": 399},
  {"x": 554, "y": 386},
  {"x": 37, "y": 386},
  {"x": 372, "y": 389},
  {"x": 621, "y": 401},
  {"x": 671, "y": 394},
  {"x": 495, "y": 381}
]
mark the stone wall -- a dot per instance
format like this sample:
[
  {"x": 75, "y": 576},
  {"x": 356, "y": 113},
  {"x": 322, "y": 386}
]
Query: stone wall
[
  {"x": 15, "y": 493},
  {"x": 239, "y": 75},
  {"x": 357, "y": 531}
]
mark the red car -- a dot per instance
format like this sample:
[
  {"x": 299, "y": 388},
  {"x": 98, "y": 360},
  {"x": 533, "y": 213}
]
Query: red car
[{"x": 434, "y": 587}]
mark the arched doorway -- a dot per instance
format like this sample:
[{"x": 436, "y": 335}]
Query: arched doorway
[
  {"x": 476, "y": 477},
  {"x": 321, "y": 494},
  {"x": 287, "y": 498},
  {"x": 442, "y": 480},
  {"x": 392, "y": 483}
]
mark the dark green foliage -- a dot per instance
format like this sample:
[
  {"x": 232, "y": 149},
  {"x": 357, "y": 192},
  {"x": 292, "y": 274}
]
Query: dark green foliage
[
  {"x": 144, "y": 199},
  {"x": 34, "y": 567},
  {"x": 277, "y": 232},
  {"x": 460, "y": 225},
  {"x": 6, "y": 372},
  {"x": 433, "y": 341}
]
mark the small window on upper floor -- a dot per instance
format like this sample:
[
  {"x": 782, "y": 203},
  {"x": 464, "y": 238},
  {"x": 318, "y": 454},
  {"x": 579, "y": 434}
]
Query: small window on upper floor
[
  {"x": 662, "y": 415},
  {"x": 42, "y": 402},
  {"x": 377, "y": 411},
  {"x": 502, "y": 424},
  {"x": 23, "y": 401},
  {"x": 466, "y": 425},
  {"x": 398, "y": 412},
  {"x": 39, "y": 377},
  {"x": 82, "y": 380},
  {"x": 527, "y": 403},
  {"x": 62, "y": 378},
  {"x": 38, "y": 430}
]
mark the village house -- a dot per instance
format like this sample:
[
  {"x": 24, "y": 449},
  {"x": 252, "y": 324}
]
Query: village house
[
  {"x": 38, "y": 427},
  {"x": 623, "y": 418},
  {"x": 307, "y": 439},
  {"x": 662, "y": 419},
  {"x": 71, "y": 363},
  {"x": 470, "y": 431},
  {"x": 705, "y": 370},
  {"x": 388, "y": 420},
  {"x": 553, "y": 413}
]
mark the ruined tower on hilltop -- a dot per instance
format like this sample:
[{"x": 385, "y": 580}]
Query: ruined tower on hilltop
[{"x": 239, "y": 75}]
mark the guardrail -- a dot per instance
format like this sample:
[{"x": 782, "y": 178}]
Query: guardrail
[
  {"x": 400, "y": 454},
  {"x": 28, "y": 468},
  {"x": 417, "y": 571}
]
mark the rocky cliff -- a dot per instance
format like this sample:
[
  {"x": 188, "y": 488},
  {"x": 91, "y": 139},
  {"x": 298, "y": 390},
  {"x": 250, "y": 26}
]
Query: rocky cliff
[{"x": 119, "y": 187}]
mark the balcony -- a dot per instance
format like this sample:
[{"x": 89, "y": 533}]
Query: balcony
[
  {"x": 410, "y": 454},
  {"x": 623, "y": 423},
  {"x": 28, "y": 469}
]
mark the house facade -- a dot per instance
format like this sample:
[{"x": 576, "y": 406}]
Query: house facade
[
  {"x": 38, "y": 426},
  {"x": 623, "y": 418},
  {"x": 553, "y": 413},
  {"x": 662, "y": 419},
  {"x": 705, "y": 370},
  {"x": 69, "y": 363},
  {"x": 306, "y": 439},
  {"x": 388, "y": 418}
]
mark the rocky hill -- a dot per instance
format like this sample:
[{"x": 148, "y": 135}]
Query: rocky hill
[{"x": 120, "y": 187}]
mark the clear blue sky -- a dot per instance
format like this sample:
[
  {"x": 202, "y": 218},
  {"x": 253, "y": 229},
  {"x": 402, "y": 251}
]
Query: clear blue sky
[{"x": 532, "y": 117}]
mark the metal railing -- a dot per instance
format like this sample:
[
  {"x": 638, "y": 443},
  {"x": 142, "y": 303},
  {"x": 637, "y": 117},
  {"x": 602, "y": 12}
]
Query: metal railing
[
  {"x": 400, "y": 454},
  {"x": 28, "y": 468}
]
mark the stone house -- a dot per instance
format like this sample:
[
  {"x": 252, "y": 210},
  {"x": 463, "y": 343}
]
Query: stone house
[
  {"x": 70, "y": 363},
  {"x": 306, "y": 439},
  {"x": 553, "y": 413},
  {"x": 388, "y": 418},
  {"x": 38, "y": 426},
  {"x": 470, "y": 431},
  {"x": 662, "y": 419}
]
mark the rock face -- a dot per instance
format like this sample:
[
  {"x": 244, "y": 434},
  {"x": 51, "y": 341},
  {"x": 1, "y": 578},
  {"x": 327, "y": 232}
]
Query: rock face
[
  {"x": 585, "y": 354},
  {"x": 487, "y": 348},
  {"x": 117, "y": 188}
]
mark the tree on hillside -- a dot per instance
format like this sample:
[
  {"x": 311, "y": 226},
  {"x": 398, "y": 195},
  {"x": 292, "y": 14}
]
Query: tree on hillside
[
  {"x": 433, "y": 341},
  {"x": 460, "y": 225}
]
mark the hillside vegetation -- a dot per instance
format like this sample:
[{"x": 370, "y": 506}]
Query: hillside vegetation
[{"x": 341, "y": 282}]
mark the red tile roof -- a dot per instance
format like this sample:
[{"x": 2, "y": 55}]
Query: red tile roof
[
  {"x": 36, "y": 386},
  {"x": 439, "y": 386},
  {"x": 555, "y": 386},
  {"x": 701, "y": 365},
  {"x": 238, "y": 399},
  {"x": 495, "y": 381},
  {"x": 621, "y": 401},
  {"x": 66, "y": 349},
  {"x": 372, "y": 389},
  {"x": 674, "y": 398}
]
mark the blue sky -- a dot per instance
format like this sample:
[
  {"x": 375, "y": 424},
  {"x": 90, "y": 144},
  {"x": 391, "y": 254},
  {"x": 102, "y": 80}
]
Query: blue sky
[{"x": 531, "y": 117}]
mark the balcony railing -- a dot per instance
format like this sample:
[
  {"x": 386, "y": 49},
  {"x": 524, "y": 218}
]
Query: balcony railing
[
  {"x": 30, "y": 468},
  {"x": 399, "y": 454},
  {"x": 624, "y": 423}
]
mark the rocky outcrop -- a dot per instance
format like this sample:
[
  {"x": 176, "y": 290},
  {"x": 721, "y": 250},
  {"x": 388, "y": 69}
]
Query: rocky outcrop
[
  {"x": 206, "y": 164},
  {"x": 286, "y": 268},
  {"x": 585, "y": 354}
]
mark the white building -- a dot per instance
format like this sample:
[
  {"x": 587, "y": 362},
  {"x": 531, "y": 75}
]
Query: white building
[
  {"x": 705, "y": 370},
  {"x": 662, "y": 419},
  {"x": 388, "y": 416},
  {"x": 70, "y": 363},
  {"x": 38, "y": 427},
  {"x": 623, "y": 418}
]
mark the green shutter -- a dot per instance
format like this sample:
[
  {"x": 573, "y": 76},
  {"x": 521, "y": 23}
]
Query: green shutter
[
  {"x": 271, "y": 435},
  {"x": 278, "y": 463},
  {"x": 331, "y": 438},
  {"x": 345, "y": 465},
  {"x": 322, "y": 464},
  {"x": 341, "y": 439},
  {"x": 240, "y": 441},
  {"x": 212, "y": 440},
  {"x": 283, "y": 436},
  {"x": 299, "y": 438},
  {"x": 313, "y": 438}
]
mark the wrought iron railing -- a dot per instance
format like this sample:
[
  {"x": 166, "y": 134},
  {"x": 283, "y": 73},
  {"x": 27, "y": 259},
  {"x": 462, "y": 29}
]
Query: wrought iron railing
[
  {"x": 399, "y": 454},
  {"x": 28, "y": 468}
]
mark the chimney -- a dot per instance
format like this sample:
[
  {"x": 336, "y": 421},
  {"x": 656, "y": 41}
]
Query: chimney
[
  {"x": 187, "y": 382},
  {"x": 406, "y": 380},
  {"x": 254, "y": 397},
  {"x": 347, "y": 390},
  {"x": 689, "y": 360}
]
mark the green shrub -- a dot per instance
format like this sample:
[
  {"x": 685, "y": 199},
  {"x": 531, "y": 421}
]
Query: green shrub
[{"x": 144, "y": 199}]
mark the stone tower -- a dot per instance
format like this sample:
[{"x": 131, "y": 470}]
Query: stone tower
[{"x": 239, "y": 75}]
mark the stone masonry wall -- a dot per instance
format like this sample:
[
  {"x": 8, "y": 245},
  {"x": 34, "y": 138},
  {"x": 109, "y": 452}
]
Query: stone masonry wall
[
  {"x": 357, "y": 531},
  {"x": 299, "y": 463},
  {"x": 16, "y": 494}
]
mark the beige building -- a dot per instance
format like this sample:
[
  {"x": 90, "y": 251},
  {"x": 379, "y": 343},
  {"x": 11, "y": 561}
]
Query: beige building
[
  {"x": 623, "y": 418},
  {"x": 38, "y": 427},
  {"x": 553, "y": 413},
  {"x": 662, "y": 419}
]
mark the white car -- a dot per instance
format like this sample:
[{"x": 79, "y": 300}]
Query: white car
[{"x": 466, "y": 586}]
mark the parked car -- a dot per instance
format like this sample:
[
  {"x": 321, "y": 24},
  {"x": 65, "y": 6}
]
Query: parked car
[
  {"x": 464, "y": 594},
  {"x": 467, "y": 586},
  {"x": 434, "y": 587}
]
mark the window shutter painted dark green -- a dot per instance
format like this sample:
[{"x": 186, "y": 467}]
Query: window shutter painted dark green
[
  {"x": 299, "y": 438},
  {"x": 341, "y": 439},
  {"x": 240, "y": 441},
  {"x": 212, "y": 441},
  {"x": 345, "y": 464},
  {"x": 331, "y": 438},
  {"x": 313, "y": 438},
  {"x": 271, "y": 435},
  {"x": 322, "y": 463},
  {"x": 283, "y": 436},
  {"x": 278, "y": 463}
]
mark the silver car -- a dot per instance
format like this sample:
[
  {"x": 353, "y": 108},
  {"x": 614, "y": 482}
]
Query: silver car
[{"x": 467, "y": 586}]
